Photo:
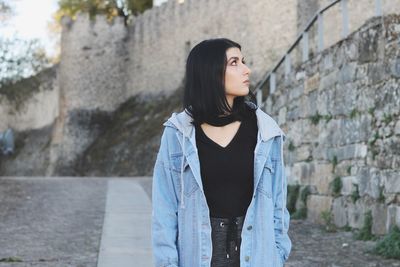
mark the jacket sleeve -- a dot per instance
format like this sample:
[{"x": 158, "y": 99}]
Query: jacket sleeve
[
  {"x": 164, "y": 228},
  {"x": 283, "y": 242}
]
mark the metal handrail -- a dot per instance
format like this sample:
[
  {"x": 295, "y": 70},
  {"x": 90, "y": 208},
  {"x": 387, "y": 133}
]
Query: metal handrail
[{"x": 318, "y": 16}]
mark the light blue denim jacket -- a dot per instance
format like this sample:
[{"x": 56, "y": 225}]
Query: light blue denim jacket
[{"x": 181, "y": 228}]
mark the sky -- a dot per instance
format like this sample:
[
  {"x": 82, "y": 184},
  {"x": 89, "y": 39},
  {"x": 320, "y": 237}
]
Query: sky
[{"x": 30, "y": 21}]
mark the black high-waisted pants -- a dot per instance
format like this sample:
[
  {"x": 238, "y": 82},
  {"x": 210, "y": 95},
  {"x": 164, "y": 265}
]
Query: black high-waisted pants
[{"x": 226, "y": 240}]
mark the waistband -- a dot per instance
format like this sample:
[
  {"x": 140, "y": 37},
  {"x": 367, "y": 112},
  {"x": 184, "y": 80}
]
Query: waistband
[{"x": 231, "y": 235}]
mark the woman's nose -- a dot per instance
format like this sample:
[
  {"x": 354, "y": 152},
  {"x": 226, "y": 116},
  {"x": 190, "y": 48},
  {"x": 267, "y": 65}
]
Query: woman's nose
[{"x": 247, "y": 70}]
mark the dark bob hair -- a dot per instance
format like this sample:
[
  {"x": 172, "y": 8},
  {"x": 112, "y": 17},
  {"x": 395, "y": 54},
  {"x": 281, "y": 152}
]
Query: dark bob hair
[{"x": 204, "y": 83}]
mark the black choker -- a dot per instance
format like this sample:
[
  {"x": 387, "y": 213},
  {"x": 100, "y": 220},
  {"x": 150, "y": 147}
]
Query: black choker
[{"x": 222, "y": 120}]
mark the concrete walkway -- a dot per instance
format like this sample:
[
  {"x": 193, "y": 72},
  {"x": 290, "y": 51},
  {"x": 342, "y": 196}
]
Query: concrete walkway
[
  {"x": 126, "y": 233},
  {"x": 75, "y": 222},
  {"x": 101, "y": 222}
]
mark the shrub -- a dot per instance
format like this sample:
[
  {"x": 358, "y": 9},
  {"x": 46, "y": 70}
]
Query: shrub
[
  {"x": 365, "y": 232},
  {"x": 389, "y": 245},
  {"x": 336, "y": 186},
  {"x": 328, "y": 219},
  {"x": 316, "y": 118},
  {"x": 300, "y": 213},
  {"x": 355, "y": 195},
  {"x": 292, "y": 195}
]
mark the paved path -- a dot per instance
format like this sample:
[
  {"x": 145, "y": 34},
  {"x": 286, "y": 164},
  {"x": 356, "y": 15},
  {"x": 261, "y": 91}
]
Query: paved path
[
  {"x": 90, "y": 222},
  {"x": 75, "y": 222},
  {"x": 126, "y": 231}
]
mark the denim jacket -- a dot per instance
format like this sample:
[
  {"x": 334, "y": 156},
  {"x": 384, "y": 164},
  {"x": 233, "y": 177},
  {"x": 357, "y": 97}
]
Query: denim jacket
[{"x": 181, "y": 228}]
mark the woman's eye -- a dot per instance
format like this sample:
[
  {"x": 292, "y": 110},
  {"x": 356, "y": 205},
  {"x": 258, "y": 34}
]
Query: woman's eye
[{"x": 244, "y": 62}]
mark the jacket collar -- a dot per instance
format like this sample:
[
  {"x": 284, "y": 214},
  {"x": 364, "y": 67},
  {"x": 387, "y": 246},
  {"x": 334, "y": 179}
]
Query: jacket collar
[{"x": 267, "y": 126}]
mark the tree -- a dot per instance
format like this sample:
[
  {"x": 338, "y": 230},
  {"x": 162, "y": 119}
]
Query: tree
[
  {"x": 5, "y": 10},
  {"x": 19, "y": 58},
  {"x": 110, "y": 8}
]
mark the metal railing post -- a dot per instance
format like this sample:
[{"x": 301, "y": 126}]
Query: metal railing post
[
  {"x": 305, "y": 46},
  {"x": 287, "y": 65},
  {"x": 272, "y": 83},
  {"x": 259, "y": 97},
  {"x": 345, "y": 17},
  {"x": 378, "y": 7},
  {"x": 320, "y": 32}
]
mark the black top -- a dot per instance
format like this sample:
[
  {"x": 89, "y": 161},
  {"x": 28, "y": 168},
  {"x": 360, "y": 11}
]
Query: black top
[{"x": 227, "y": 172}]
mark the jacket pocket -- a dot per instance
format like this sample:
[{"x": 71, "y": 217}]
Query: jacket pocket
[
  {"x": 265, "y": 183},
  {"x": 190, "y": 184}
]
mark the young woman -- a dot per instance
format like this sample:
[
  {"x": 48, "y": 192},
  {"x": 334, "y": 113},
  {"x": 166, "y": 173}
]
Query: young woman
[{"x": 219, "y": 187}]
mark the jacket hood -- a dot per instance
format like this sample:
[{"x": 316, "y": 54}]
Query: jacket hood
[{"x": 267, "y": 129}]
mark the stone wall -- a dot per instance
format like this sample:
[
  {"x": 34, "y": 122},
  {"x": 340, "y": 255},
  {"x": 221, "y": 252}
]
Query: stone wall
[
  {"x": 31, "y": 103},
  {"x": 103, "y": 64},
  {"x": 341, "y": 113}
]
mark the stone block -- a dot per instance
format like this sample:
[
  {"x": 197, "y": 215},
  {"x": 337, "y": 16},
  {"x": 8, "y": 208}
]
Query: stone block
[
  {"x": 301, "y": 172},
  {"x": 296, "y": 92},
  {"x": 316, "y": 204},
  {"x": 393, "y": 216},
  {"x": 379, "y": 217},
  {"x": 303, "y": 152},
  {"x": 397, "y": 128},
  {"x": 347, "y": 73},
  {"x": 348, "y": 185},
  {"x": 391, "y": 181},
  {"x": 328, "y": 81},
  {"x": 369, "y": 182},
  {"x": 377, "y": 73},
  {"x": 348, "y": 134},
  {"x": 356, "y": 213},
  {"x": 339, "y": 211},
  {"x": 282, "y": 116},
  {"x": 368, "y": 46},
  {"x": 395, "y": 67},
  {"x": 321, "y": 176}
]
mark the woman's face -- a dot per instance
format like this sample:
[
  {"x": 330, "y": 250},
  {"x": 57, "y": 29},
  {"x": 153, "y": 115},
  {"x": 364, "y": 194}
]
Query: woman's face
[{"x": 237, "y": 75}]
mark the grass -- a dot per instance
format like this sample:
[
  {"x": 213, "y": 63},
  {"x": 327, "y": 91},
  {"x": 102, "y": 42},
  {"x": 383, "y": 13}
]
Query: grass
[
  {"x": 381, "y": 198},
  {"x": 291, "y": 146},
  {"x": 328, "y": 219},
  {"x": 11, "y": 259},
  {"x": 387, "y": 118},
  {"x": 371, "y": 111},
  {"x": 316, "y": 118},
  {"x": 346, "y": 228},
  {"x": 374, "y": 138},
  {"x": 389, "y": 245},
  {"x": 354, "y": 113},
  {"x": 355, "y": 195},
  {"x": 334, "y": 162},
  {"x": 300, "y": 213},
  {"x": 292, "y": 195},
  {"x": 328, "y": 117},
  {"x": 336, "y": 186},
  {"x": 365, "y": 232},
  {"x": 304, "y": 194}
]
